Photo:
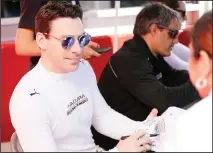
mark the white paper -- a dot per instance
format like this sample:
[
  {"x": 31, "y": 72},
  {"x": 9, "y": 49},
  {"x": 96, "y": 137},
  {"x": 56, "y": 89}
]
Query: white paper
[
  {"x": 170, "y": 117},
  {"x": 163, "y": 125}
]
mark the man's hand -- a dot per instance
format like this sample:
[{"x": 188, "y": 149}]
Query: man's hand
[
  {"x": 89, "y": 51},
  {"x": 138, "y": 142},
  {"x": 152, "y": 114}
]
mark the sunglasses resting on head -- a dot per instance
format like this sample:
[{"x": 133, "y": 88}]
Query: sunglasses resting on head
[{"x": 68, "y": 41}]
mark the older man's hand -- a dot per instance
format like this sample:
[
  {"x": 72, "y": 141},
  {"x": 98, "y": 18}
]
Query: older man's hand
[{"x": 89, "y": 50}]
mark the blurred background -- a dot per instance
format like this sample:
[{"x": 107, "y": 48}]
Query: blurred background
[{"x": 100, "y": 17}]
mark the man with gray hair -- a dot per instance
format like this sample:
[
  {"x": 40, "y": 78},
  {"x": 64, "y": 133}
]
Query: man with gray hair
[{"x": 137, "y": 78}]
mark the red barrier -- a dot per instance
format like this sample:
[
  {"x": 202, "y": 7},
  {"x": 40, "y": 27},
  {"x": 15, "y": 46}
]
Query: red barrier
[
  {"x": 13, "y": 68},
  {"x": 184, "y": 37},
  {"x": 98, "y": 63}
]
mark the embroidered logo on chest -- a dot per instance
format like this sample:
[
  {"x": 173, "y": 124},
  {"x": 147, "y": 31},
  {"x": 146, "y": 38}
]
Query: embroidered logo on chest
[
  {"x": 76, "y": 102},
  {"x": 159, "y": 76}
]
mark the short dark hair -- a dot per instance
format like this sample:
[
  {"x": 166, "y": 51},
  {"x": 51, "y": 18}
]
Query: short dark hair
[
  {"x": 174, "y": 4},
  {"x": 53, "y": 10},
  {"x": 201, "y": 35},
  {"x": 154, "y": 13}
]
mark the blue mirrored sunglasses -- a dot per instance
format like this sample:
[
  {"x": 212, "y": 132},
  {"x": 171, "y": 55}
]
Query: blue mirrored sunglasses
[{"x": 68, "y": 41}]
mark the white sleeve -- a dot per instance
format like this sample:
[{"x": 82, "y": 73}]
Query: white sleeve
[
  {"x": 31, "y": 121},
  {"x": 194, "y": 129},
  {"x": 181, "y": 51},
  {"x": 109, "y": 122},
  {"x": 106, "y": 120},
  {"x": 175, "y": 62}
]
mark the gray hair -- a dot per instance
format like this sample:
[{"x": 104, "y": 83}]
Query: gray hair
[{"x": 154, "y": 13}]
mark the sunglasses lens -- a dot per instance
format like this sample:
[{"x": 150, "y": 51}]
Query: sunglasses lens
[
  {"x": 68, "y": 42},
  {"x": 184, "y": 14},
  {"x": 84, "y": 40},
  {"x": 173, "y": 34}
]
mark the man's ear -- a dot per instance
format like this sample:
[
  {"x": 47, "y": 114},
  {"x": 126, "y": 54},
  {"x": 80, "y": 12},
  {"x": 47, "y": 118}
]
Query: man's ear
[
  {"x": 41, "y": 40},
  {"x": 153, "y": 29}
]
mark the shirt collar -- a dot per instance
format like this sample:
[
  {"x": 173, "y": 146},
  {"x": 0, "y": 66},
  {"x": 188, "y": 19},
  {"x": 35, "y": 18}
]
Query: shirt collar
[{"x": 143, "y": 48}]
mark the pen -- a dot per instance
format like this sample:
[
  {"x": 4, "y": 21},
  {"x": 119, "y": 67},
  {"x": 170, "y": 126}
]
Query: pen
[{"x": 151, "y": 135}]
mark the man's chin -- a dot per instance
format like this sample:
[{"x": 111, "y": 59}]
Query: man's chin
[
  {"x": 72, "y": 68},
  {"x": 168, "y": 53}
]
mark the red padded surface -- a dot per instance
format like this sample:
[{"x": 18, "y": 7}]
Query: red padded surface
[
  {"x": 13, "y": 68},
  {"x": 98, "y": 63},
  {"x": 184, "y": 37}
]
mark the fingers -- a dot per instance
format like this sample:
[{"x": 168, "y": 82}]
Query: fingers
[
  {"x": 138, "y": 134},
  {"x": 93, "y": 45},
  {"x": 89, "y": 52},
  {"x": 96, "y": 54},
  {"x": 138, "y": 142},
  {"x": 144, "y": 148},
  {"x": 144, "y": 143},
  {"x": 147, "y": 146},
  {"x": 153, "y": 113},
  {"x": 144, "y": 140}
]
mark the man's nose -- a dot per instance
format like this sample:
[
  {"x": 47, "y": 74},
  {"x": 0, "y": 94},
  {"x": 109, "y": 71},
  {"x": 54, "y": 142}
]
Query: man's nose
[
  {"x": 175, "y": 41},
  {"x": 76, "y": 48}
]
